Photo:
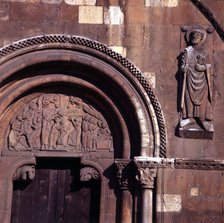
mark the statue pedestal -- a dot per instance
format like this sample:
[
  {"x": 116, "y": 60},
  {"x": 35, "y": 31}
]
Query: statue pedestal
[{"x": 194, "y": 133}]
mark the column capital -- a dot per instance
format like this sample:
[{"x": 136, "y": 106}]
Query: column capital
[
  {"x": 124, "y": 173},
  {"x": 145, "y": 177},
  {"x": 146, "y": 170}
]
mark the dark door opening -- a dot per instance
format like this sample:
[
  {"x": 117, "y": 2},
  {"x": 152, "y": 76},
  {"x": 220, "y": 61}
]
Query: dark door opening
[{"x": 56, "y": 195}]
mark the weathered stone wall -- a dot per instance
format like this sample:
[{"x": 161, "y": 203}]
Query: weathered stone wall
[
  {"x": 190, "y": 196},
  {"x": 148, "y": 33}
]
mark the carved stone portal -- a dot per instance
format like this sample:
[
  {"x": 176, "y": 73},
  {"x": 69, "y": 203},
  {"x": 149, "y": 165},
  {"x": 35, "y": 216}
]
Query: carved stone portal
[{"x": 58, "y": 122}]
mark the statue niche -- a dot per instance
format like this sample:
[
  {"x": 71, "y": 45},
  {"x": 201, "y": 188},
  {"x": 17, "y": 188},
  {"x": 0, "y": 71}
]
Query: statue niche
[
  {"x": 197, "y": 87},
  {"x": 58, "y": 122}
]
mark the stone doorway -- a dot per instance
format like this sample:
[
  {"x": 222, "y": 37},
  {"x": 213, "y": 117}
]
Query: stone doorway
[{"x": 56, "y": 195}]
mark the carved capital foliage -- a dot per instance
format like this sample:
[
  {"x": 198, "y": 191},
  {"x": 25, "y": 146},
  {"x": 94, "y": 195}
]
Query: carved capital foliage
[
  {"x": 89, "y": 173},
  {"x": 145, "y": 177},
  {"x": 25, "y": 173},
  {"x": 147, "y": 169}
]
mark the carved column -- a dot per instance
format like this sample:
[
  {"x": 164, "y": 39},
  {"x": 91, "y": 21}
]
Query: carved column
[
  {"x": 145, "y": 177},
  {"x": 123, "y": 175}
]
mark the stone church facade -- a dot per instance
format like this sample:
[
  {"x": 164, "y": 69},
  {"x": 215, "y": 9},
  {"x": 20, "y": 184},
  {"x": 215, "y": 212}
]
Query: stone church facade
[{"x": 111, "y": 111}]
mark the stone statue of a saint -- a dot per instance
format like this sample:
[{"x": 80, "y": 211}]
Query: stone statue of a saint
[{"x": 197, "y": 84}]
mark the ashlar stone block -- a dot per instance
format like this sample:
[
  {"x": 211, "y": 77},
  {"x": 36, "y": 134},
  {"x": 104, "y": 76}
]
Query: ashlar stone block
[
  {"x": 119, "y": 49},
  {"x": 113, "y": 16},
  {"x": 151, "y": 78},
  {"x": 172, "y": 3},
  {"x": 90, "y": 14},
  {"x": 169, "y": 203},
  {"x": 162, "y": 3},
  {"x": 52, "y": 1}
]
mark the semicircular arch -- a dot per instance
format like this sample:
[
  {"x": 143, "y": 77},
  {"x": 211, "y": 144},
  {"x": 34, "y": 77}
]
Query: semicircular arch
[{"x": 31, "y": 65}]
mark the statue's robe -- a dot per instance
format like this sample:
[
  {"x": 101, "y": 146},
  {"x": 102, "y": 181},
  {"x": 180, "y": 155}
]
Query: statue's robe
[{"x": 197, "y": 87}]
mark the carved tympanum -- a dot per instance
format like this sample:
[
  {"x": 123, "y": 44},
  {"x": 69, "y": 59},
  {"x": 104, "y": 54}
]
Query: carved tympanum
[
  {"x": 58, "y": 122},
  {"x": 25, "y": 173},
  {"x": 197, "y": 83},
  {"x": 89, "y": 173}
]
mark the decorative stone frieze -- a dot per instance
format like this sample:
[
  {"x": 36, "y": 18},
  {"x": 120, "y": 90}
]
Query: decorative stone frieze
[
  {"x": 199, "y": 164},
  {"x": 154, "y": 162},
  {"x": 178, "y": 163}
]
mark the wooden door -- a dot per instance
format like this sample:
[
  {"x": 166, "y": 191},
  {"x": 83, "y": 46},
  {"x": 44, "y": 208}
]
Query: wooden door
[{"x": 56, "y": 195}]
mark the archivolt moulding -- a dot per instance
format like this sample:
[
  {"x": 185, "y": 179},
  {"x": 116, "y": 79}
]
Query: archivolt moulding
[{"x": 48, "y": 48}]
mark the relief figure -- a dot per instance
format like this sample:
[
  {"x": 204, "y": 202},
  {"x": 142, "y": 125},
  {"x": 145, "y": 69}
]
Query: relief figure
[
  {"x": 93, "y": 132},
  {"x": 27, "y": 124},
  {"x": 85, "y": 129},
  {"x": 76, "y": 113},
  {"x": 37, "y": 122},
  {"x": 75, "y": 136},
  {"x": 197, "y": 84},
  {"x": 49, "y": 105},
  {"x": 104, "y": 138},
  {"x": 55, "y": 132},
  {"x": 58, "y": 122},
  {"x": 16, "y": 137},
  {"x": 66, "y": 129}
]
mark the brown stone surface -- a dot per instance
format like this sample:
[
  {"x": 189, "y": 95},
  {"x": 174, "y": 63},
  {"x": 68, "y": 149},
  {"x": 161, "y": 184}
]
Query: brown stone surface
[
  {"x": 206, "y": 204},
  {"x": 153, "y": 40},
  {"x": 136, "y": 15},
  {"x": 68, "y": 14}
]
